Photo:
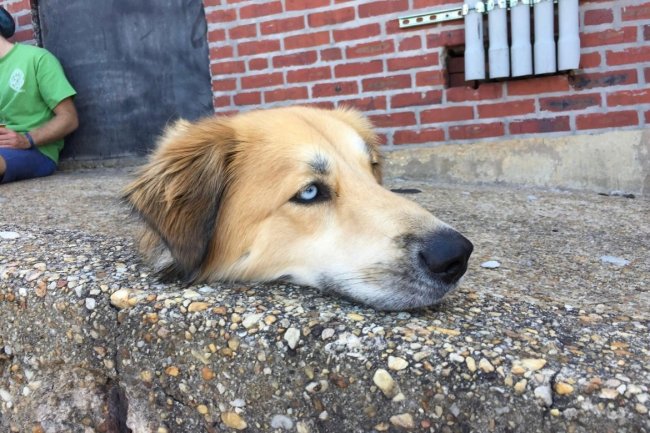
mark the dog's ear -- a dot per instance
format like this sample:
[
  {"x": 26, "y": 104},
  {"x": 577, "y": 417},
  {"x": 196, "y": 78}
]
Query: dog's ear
[
  {"x": 178, "y": 192},
  {"x": 363, "y": 126}
]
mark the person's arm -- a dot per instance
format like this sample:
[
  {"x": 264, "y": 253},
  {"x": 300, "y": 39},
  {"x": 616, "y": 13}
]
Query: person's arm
[{"x": 63, "y": 123}]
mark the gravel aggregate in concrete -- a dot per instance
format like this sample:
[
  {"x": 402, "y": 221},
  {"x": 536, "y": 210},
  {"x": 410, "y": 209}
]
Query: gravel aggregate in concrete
[{"x": 553, "y": 339}]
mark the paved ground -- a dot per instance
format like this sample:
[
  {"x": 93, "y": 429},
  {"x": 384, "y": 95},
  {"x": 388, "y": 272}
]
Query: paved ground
[{"x": 554, "y": 339}]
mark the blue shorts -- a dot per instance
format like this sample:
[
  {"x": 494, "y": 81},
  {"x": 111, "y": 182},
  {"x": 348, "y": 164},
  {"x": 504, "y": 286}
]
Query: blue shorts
[{"x": 25, "y": 164}]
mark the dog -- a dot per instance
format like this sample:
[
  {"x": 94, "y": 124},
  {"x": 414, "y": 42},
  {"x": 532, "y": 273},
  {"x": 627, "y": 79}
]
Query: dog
[{"x": 291, "y": 194}]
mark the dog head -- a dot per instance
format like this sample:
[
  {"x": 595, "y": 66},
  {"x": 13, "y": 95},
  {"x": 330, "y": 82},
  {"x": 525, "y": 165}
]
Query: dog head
[{"x": 294, "y": 194}]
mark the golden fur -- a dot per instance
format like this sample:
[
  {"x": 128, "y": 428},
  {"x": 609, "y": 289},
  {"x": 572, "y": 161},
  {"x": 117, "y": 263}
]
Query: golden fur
[{"x": 230, "y": 199}]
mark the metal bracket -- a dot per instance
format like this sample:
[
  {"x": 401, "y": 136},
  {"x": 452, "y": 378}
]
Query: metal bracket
[
  {"x": 430, "y": 18},
  {"x": 440, "y": 16}
]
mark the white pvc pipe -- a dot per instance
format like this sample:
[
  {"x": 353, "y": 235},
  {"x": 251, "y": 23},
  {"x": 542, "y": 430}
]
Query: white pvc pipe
[
  {"x": 499, "y": 53},
  {"x": 569, "y": 40},
  {"x": 474, "y": 51},
  {"x": 544, "y": 38},
  {"x": 521, "y": 53}
]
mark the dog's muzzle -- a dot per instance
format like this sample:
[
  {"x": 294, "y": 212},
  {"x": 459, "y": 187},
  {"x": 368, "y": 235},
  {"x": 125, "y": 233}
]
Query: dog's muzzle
[{"x": 444, "y": 255}]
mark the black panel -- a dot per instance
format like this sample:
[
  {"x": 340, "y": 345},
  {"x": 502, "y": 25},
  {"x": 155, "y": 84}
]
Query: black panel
[{"x": 136, "y": 65}]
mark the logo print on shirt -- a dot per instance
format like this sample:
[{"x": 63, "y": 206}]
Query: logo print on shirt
[{"x": 17, "y": 80}]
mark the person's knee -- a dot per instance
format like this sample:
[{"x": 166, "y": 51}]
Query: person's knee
[{"x": 3, "y": 166}]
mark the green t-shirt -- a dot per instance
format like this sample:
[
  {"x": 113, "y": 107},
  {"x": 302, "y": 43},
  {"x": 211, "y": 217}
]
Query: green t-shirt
[{"x": 32, "y": 84}]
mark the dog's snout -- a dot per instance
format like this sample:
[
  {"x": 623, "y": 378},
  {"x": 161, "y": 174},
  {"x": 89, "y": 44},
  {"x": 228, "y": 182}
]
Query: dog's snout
[{"x": 445, "y": 254}]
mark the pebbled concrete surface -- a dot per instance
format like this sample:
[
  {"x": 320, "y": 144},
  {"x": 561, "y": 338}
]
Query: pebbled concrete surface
[{"x": 554, "y": 339}]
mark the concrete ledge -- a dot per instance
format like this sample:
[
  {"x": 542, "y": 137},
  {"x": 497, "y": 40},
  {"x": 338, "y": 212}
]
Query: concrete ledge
[
  {"x": 555, "y": 339},
  {"x": 613, "y": 161}
]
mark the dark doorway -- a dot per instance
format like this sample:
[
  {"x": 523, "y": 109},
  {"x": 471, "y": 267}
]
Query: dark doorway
[{"x": 136, "y": 65}]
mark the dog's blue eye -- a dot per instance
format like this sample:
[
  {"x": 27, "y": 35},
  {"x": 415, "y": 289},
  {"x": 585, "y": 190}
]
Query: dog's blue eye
[
  {"x": 312, "y": 193},
  {"x": 309, "y": 193}
]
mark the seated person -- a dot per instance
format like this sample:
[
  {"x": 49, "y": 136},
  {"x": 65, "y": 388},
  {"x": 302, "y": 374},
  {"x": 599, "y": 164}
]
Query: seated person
[{"x": 36, "y": 108}]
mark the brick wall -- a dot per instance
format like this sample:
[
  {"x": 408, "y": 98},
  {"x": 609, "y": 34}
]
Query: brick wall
[
  {"x": 333, "y": 52},
  {"x": 21, "y": 10}
]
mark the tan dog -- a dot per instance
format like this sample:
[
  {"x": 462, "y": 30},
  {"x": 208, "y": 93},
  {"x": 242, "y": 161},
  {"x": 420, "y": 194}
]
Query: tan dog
[{"x": 292, "y": 194}]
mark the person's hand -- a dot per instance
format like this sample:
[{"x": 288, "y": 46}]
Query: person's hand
[{"x": 12, "y": 139}]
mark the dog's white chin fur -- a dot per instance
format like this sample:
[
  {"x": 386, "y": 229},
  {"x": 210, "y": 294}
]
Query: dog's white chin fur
[{"x": 390, "y": 295}]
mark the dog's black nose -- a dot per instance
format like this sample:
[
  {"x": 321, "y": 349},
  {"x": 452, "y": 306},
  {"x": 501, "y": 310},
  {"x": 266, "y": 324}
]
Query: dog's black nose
[{"x": 445, "y": 255}]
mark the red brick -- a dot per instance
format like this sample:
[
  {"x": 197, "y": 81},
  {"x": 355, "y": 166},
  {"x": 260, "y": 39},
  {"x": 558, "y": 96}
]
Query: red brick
[
  {"x": 608, "y": 37},
  {"x": 258, "y": 63},
  {"x": 334, "y": 89},
  {"x": 393, "y": 119},
  {"x": 248, "y": 98},
  {"x": 432, "y": 97},
  {"x": 360, "y": 32},
  {"x": 473, "y": 132},
  {"x": 647, "y": 117},
  {"x": 589, "y": 60},
  {"x": 570, "y": 102},
  {"x": 506, "y": 109},
  {"x": 358, "y": 69},
  {"x": 646, "y": 32},
  {"x": 386, "y": 83},
  {"x": 216, "y": 35},
  {"x": 430, "y": 78},
  {"x": 221, "y": 85},
  {"x": 636, "y": 12},
  {"x": 646, "y": 73},
  {"x": 221, "y": 101},
  {"x": 534, "y": 86},
  {"x": 598, "y": 16},
  {"x": 307, "y": 40},
  {"x": 369, "y": 49},
  {"x": 604, "y": 79},
  {"x": 309, "y": 74},
  {"x": 369, "y": 103},
  {"x": 417, "y": 4},
  {"x": 261, "y": 80},
  {"x": 222, "y": 16},
  {"x": 447, "y": 114},
  {"x": 257, "y": 47},
  {"x": 447, "y": 38},
  {"x": 291, "y": 94},
  {"x": 611, "y": 119},
  {"x": 221, "y": 53},
  {"x": 282, "y": 26},
  {"x": 234, "y": 67},
  {"x": 246, "y": 31},
  {"x": 24, "y": 20},
  {"x": 327, "y": 105},
  {"x": 257, "y": 10},
  {"x": 418, "y": 136},
  {"x": 629, "y": 97},
  {"x": 331, "y": 17},
  {"x": 485, "y": 91},
  {"x": 412, "y": 43},
  {"x": 329, "y": 54},
  {"x": 629, "y": 56},
  {"x": 392, "y": 27},
  {"x": 209, "y": 3},
  {"x": 537, "y": 126},
  {"x": 384, "y": 7},
  {"x": 422, "y": 61},
  {"x": 295, "y": 5},
  {"x": 302, "y": 58}
]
